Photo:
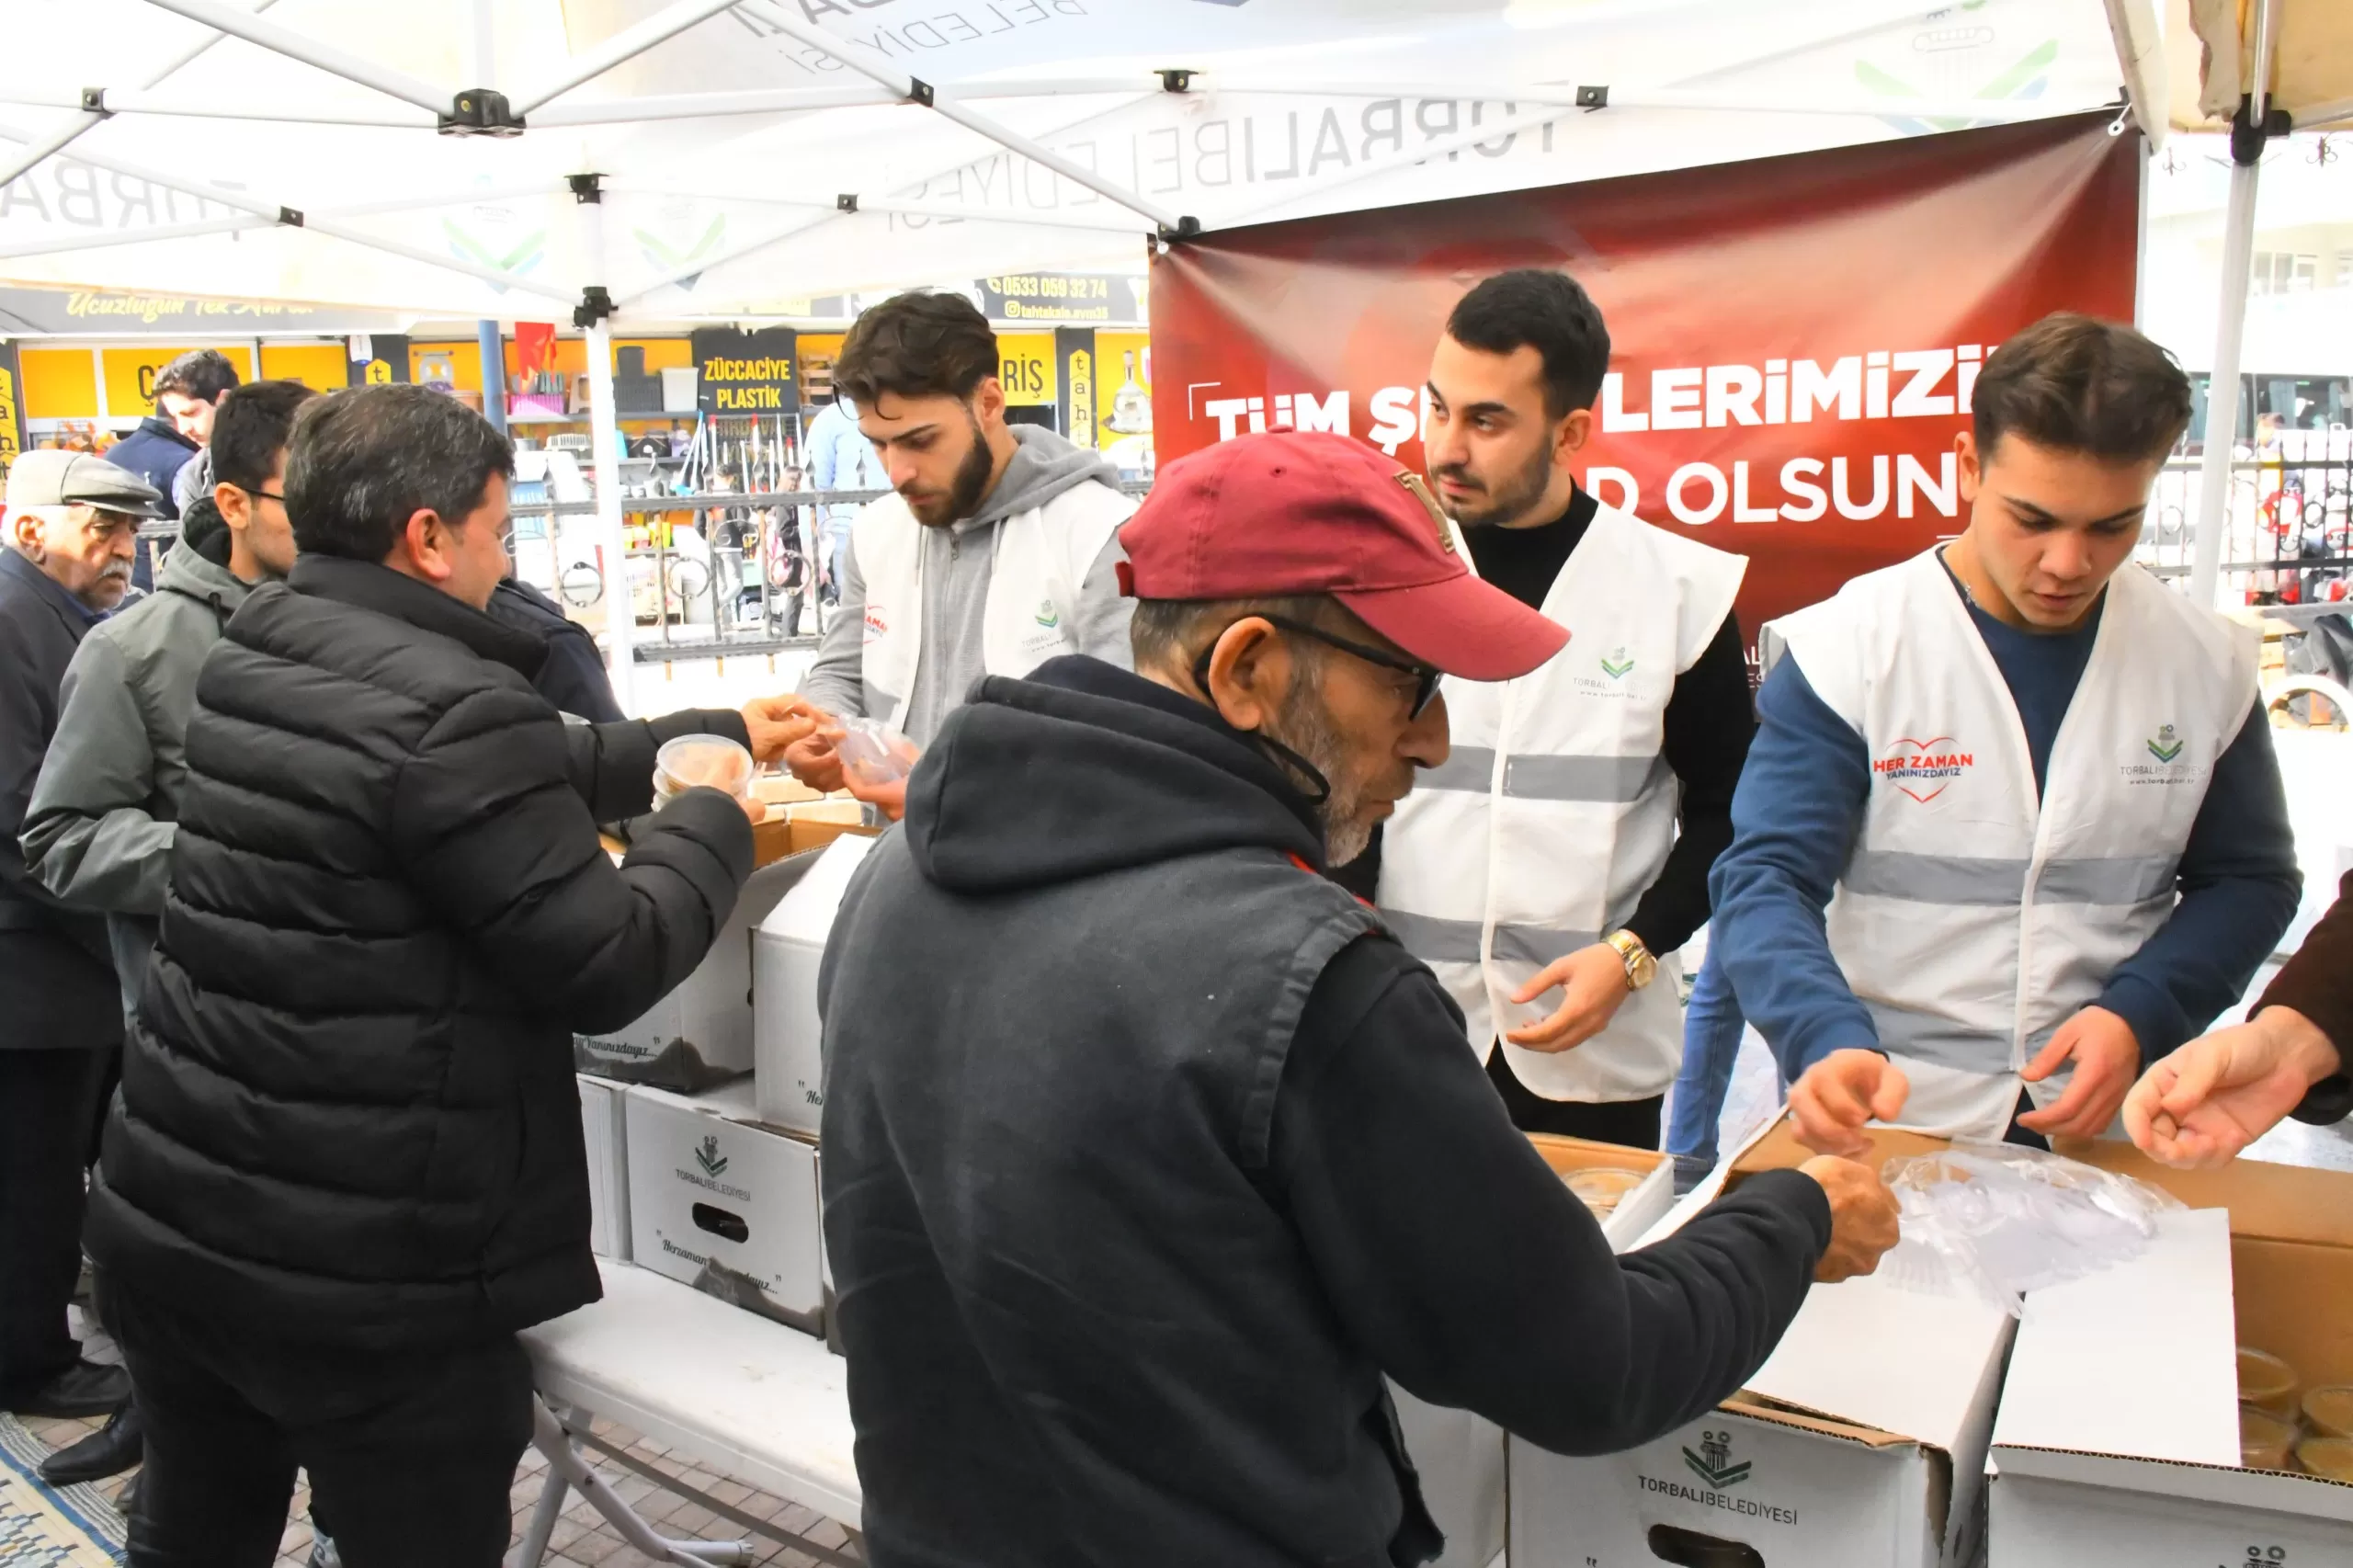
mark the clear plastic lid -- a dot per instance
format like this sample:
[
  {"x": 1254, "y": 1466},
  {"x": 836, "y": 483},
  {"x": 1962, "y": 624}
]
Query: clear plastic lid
[
  {"x": 2329, "y": 1409},
  {"x": 702, "y": 761},
  {"x": 2263, "y": 1439},
  {"x": 1601, "y": 1188},
  {"x": 2267, "y": 1380},
  {"x": 2330, "y": 1456},
  {"x": 873, "y": 754}
]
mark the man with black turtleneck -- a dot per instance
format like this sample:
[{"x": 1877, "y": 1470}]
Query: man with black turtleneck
[{"x": 1566, "y": 847}]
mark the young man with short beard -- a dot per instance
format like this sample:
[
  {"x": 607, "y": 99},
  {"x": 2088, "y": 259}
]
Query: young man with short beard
[
  {"x": 998, "y": 552},
  {"x": 1549, "y": 871},
  {"x": 1149, "y": 1151}
]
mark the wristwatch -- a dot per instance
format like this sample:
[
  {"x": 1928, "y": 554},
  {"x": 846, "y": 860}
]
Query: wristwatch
[{"x": 1640, "y": 968}]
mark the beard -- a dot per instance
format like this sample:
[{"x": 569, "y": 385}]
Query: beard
[
  {"x": 1307, "y": 727},
  {"x": 966, "y": 491},
  {"x": 1514, "y": 496}
]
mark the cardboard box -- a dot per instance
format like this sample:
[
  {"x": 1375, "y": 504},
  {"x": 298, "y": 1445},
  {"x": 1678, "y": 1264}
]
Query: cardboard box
[
  {"x": 2117, "y": 1438},
  {"x": 702, "y": 1032},
  {"x": 786, "y": 949},
  {"x": 1464, "y": 1459},
  {"x": 1639, "y": 1209},
  {"x": 801, "y": 827},
  {"x": 726, "y": 1205},
  {"x": 607, "y": 1139},
  {"x": 1859, "y": 1444}
]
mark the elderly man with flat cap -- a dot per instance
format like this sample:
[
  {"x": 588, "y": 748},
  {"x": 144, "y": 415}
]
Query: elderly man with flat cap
[
  {"x": 66, "y": 542},
  {"x": 1149, "y": 1151}
]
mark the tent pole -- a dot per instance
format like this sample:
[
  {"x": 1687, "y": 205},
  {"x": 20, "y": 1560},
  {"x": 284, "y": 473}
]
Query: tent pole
[
  {"x": 493, "y": 350},
  {"x": 604, "y": 437},
  {"x": 311, "y": 51},
  {"x": 623, "y": 47},
  {"x": 71, "y": 130},
  {"x": 713, "y": 105},
  {"x": 136, "y": 236},
  {"x": 237, "y": 201},
  {"x": 136, "y": 101},
  {"x": 2230, "y": 328},
  {"x": 1515, "y": 126},
  {"x": 612, "y": 523},
  {"x": 485, "y": 59},
  {"x": 878, "y": 68}
]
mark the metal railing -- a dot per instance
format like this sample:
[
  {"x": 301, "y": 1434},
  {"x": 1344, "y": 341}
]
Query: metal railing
[
  {"x": 733, "y": 591},
  {"x": 2287, "y": 525}
]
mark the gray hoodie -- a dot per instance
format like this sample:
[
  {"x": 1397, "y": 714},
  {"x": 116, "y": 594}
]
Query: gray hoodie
[
  {"x": 958, "y": 564},
  {"x": 98, "y": 831}
]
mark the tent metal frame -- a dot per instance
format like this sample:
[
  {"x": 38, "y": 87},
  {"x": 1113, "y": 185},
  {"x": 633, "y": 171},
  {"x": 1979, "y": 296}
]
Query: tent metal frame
[
  {"x": 481, "y": 110},
  {"x": 2238, "y": 256}
]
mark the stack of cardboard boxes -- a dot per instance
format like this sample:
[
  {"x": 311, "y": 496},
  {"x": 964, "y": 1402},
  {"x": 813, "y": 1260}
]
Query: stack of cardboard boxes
[
  {"x": 702, "y": 1117},
  {"x": 1895, "y": 1427}
]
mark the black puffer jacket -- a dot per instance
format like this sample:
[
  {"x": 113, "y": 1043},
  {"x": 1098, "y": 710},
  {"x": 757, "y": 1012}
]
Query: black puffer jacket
[{"x": 348, "y": 1112}]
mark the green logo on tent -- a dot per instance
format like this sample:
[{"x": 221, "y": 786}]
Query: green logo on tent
[
  {"x": 1616, "y": 662},
  {"x": 712, "y": 1162},
  {"x": 1713, "y": 1462},
  {"x": 521, "y": 259},
  {"x": 669, "y": 257},
  {"x": 2166, "y": 747}
]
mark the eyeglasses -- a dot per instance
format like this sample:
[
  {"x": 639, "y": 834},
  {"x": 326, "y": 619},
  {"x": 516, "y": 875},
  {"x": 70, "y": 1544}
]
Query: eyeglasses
[
  {"x": 263, "y": 494},
  {"x": 1426, "y": 676}
]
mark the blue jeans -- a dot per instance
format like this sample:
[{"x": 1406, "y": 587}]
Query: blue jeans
[{"x": 1711, "y": 1030}]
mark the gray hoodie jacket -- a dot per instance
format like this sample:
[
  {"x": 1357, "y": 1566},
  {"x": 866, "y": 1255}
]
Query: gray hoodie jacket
[
  {"x": 98, "y": 833},
  {"x": 958, "y": 564}
]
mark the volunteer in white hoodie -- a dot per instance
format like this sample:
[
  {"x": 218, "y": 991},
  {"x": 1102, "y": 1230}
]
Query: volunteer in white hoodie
[{"x": 999, "y": 550}]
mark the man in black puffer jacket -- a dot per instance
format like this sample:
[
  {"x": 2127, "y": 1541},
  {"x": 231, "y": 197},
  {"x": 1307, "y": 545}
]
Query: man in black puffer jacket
[{"x": 345, "y": 1164}]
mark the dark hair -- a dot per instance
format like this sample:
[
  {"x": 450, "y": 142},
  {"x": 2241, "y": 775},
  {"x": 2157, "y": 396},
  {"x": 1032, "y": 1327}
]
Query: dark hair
[
  {"x": 916, "y": 345},
  {"x": 2077, "y": 384},
  {"x": 1545, "y": 310},
  {"x": 200, "y": 373},
  {"x": 252, "y": 428},
  {"x": 1165, "y": 632},
  {"x": 363, "y": 462}
]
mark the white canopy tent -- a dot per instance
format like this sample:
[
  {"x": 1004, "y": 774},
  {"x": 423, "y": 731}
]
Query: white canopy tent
[{"x": 712, "y": 159}]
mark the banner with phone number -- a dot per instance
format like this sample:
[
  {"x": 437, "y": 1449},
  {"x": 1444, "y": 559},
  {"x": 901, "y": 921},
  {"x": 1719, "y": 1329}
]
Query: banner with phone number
[{"x": 1794, "y": 339}]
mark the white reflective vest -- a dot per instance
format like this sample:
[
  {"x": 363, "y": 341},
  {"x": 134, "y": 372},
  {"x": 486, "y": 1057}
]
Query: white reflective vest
[
  {"x": 1039, "y": 560},
  {"x": 1557, "y": 810},
  {"x": 1972, "y": 919}
]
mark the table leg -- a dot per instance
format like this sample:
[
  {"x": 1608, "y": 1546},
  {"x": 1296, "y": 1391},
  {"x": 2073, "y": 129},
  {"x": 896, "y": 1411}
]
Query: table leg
[
  {"x": 549, "y": 1437},
  {"x": 565, "y": 1467}
]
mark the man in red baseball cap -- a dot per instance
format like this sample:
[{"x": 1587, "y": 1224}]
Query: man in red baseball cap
[{"x": 1149, "y": 1151}]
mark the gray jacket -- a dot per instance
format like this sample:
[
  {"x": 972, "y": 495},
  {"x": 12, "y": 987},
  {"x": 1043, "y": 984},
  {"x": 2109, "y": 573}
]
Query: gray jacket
[
  {"x": 958, "y": 564},
  {"x": 99, "y": 834}
]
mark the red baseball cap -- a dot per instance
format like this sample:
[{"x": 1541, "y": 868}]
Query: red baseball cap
[{"x": 1291, "y": 513}]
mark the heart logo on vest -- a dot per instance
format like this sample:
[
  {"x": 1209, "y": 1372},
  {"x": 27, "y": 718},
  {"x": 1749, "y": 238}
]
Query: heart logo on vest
[
  {"x": 1616, "y": 662},
  {"x": 1924, "y": 770}
]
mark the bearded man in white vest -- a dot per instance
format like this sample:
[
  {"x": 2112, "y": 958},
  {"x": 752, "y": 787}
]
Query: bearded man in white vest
[
  {"x": 2012, "y": 827},
  {"x": 999, "y": 550},
  {"x": 1540, "y": 872}
]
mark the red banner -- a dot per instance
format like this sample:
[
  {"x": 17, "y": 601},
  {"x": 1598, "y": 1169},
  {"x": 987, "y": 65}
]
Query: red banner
[{"x": 1794, "y": 339}]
